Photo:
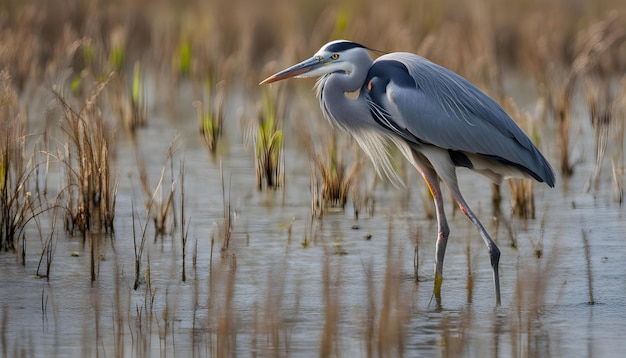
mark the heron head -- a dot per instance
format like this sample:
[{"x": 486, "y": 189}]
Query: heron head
[{"x": 335, "y": 56}]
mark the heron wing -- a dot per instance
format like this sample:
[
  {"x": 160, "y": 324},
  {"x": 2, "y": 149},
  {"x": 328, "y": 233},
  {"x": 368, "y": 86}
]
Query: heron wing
[{"x": 429, "y": 104}]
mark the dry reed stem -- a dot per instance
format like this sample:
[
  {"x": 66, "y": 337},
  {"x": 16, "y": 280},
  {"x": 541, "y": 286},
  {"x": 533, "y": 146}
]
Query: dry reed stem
[
  {"x": 617, "y": 161},
  {"x": 92, "y": 195},
  {"x": 605, "y": 107},
  {"x": 522, "y": 193},
  {"x": 588, "y": 265},
  {"x": 600, "y": 115},
  {"x": 15, "y": 200},
  {"x": 159, "y": 202}
]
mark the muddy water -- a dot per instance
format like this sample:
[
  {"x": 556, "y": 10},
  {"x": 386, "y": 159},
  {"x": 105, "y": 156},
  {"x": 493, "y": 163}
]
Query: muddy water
[{"x": 270, "y": 294}]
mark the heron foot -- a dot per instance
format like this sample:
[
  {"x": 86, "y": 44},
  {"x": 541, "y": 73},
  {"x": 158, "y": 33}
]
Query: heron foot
[
  {"x": 437, "y": 288},
  {"x": 494, "y": 252}
]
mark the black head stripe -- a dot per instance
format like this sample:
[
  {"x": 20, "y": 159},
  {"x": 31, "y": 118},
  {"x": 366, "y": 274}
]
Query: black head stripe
[{"x": 342, "y": 46}]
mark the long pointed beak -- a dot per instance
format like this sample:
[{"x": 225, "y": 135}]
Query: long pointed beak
[{"x": 294, "y": 71}]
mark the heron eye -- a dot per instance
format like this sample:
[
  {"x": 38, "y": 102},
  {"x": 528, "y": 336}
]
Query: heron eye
[{"x": 334, "y": 56}]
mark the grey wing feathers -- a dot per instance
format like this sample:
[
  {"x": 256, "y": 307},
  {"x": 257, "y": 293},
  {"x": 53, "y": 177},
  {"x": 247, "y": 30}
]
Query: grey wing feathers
[{"x": 443, "y": 109}]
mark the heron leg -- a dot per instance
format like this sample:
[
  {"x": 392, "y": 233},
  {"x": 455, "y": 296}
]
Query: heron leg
[
  {"x": 432, "y": 180},
  {"x": 494, "y": 252}
]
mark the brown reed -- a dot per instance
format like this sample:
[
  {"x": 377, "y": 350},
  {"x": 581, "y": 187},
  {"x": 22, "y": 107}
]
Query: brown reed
[
  {"x": 17, "y": 204},
  {"x": 522, "y": 193},
  {"x": 332, "y": 179},
  {"x": 159, "y": 202},
  {"x": 91, "y": 186}
]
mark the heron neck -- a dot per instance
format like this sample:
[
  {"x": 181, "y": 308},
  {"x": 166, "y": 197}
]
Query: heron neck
[{"x": 336, "y": 105}]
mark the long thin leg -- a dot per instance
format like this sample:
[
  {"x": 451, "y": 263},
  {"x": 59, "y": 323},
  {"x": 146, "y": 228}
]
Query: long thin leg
[
  {"x": 494, "y": 252},
  {"x": 446, "y": 170},
  {"x": 432, "y": 180}
]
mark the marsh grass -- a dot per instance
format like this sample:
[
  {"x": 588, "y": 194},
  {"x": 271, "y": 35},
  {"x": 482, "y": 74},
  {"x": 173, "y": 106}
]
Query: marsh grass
[
  {"x": 522, "y": 192},
  {"x": 14, "y": 197},
  {"x": 91, "y": 185},
  {"x": 268, "y": 141},
  {"x": 332, "y": 178},
  {"x": 18, "y": 205},
  {"x": 210, "y": 112}
]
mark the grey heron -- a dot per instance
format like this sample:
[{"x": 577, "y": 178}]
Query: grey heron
[{"x": 438, "y": 120}]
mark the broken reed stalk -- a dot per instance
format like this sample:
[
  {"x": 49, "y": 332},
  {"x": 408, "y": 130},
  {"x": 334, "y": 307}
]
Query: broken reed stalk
[
  {"x": 469, "y": 286},
  {"x": 588, "y": 265},
  {"x": 227, "y": 226},
  {"x": 416, "y": 238},
  {"x": 49, "y": 246},
  {"x": 184, "y": 228},
  {"x": 159, "y": 202},
  {"x": 138, "y": 248}
]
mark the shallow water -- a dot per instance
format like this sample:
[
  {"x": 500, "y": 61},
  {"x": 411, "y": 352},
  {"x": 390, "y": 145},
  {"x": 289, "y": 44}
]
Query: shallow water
[{"x": 271, "y": 295}]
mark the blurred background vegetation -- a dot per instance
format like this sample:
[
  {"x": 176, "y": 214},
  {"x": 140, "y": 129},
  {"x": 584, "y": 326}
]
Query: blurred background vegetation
[{"x": 238, "y": 38}]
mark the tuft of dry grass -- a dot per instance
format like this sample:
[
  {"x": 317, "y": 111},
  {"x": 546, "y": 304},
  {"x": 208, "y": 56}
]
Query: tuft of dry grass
[
  {"x": 90, "y": 183},
  {"x": 522, "y": 193},
  {"x": 18, "y": 205},
  {"x": 331, "y": 178}
]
